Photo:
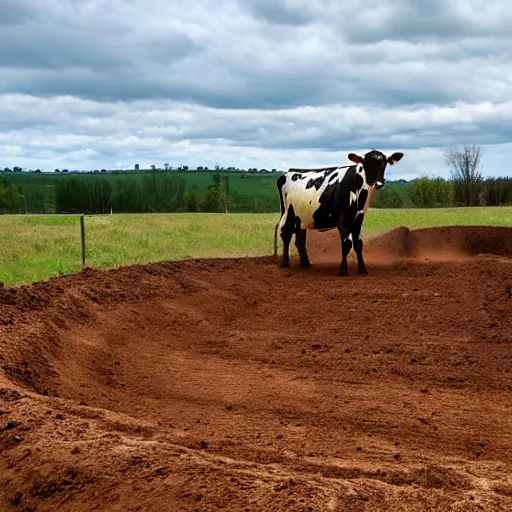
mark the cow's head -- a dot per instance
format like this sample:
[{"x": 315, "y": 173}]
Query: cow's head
[{"x": 374, "y": 164}]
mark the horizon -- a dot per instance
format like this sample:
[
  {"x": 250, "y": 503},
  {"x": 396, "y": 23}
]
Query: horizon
[{"x": 104, "y": 170}]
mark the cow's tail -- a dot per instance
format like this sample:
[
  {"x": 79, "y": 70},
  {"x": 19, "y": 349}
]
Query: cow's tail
[{"x": 280, "y": 182}]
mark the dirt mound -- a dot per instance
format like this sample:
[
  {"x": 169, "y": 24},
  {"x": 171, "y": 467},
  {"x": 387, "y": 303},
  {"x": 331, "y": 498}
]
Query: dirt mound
[
  {"x": 448, "y": 241},
  {"x": 451, "y": 243},
  {"x": 235, "y": 384}
]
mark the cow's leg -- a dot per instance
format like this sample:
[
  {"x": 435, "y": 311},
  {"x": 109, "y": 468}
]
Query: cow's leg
[
  {"x": 346, "y": 247},
  {"x": 287, "y": 231},
  {"x": 300, "y": 243},
  {"x": 358, "y": 242}
]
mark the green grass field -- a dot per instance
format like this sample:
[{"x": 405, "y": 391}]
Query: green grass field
[{"x": 36, "y": 247}]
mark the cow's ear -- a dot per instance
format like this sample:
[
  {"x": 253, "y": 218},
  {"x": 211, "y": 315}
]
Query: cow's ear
[
  {"x": 395, "y": 157},
  {"x": 355, "y": 158}
]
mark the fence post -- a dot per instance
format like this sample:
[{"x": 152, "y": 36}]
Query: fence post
[{"x": 82, "y": 239}]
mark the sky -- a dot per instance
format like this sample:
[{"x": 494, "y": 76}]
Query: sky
[{"x": 88, "y": 84}]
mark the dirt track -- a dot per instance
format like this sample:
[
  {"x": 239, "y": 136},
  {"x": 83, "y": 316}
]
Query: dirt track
[{"x": 237, "y": 385}]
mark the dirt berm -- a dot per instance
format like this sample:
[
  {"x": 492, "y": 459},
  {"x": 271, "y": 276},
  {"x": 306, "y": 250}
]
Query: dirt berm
[{"x": 236, "y": 385}]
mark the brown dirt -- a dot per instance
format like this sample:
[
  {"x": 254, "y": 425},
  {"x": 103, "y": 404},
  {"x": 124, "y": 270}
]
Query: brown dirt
[
  {"x": 450, "y": 243},
  {"x": 236, "y": 385}
]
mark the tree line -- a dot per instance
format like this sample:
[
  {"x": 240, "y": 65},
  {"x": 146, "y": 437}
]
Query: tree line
[
  {"x": 427, "y": 192},
  {"x": 157, "y": 193},
  {"x": 168, "y": 193},
  {"x": 160, "y": 193},
  {"x": 466, "y": 186}
]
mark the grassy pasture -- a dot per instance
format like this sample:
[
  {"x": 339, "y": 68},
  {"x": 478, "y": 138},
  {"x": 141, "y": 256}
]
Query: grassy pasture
[{"x": 36, "y": 247}]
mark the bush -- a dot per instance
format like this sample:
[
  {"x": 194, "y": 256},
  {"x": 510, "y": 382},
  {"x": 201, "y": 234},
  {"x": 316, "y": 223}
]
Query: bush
[
  {"x": 498, "y": 191},
  {"x": 430, "y": 192},
  {"x": 192, "y": 201},
  {"x": 10, "y": 197},
  {"x": 392, "y": 196}
]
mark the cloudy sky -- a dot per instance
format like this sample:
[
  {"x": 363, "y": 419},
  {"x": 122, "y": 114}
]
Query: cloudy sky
[{"x": 254, "y": 83}]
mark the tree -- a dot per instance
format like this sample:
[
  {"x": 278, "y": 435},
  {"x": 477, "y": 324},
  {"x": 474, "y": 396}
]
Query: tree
[
  {"x": 224, "y": 194},
  {"x": 163, "y": 193},
  {"x": 428, "y": 192},
  {"x": 72, "y": 195},
  {"x": 137, "y": 167},
  {"x": 166, "y": 166},
  {"x": 392, "y": 196},
  {"x": 498, "y": 191},
  {"x": 216, "y": 198},
  {"x": 100, "y": 196},
  {"x": 128, "y": 196},
  {"x": 39, "y": 200},
  {"x": 192, "y": 201},
  {"x": 10, "y": 198},
  {"x": 464, "y": 165}
]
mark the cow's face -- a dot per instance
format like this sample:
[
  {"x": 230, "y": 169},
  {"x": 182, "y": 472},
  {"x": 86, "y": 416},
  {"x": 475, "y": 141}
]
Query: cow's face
[{"x": 374, "y": 164}]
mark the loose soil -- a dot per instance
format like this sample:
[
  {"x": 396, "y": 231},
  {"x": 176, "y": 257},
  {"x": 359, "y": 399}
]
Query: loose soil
[{"x": 237, "y": 385}]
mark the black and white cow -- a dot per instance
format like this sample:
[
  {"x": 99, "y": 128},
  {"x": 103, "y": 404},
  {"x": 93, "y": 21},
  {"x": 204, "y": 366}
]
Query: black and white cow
[{"x": 328, "y": 198}]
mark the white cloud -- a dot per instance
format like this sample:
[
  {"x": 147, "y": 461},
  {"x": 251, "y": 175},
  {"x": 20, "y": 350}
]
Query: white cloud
[{"x": 90, "y": 83}]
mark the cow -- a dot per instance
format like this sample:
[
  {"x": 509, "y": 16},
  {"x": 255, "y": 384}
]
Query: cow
[{"x": 327, "y": 198}]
